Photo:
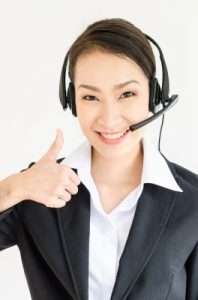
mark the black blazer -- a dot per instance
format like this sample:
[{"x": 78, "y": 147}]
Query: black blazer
[{"x": 159, "y": 262}]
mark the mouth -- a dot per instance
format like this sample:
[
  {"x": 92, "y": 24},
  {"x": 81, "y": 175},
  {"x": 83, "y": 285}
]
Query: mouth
[{"x": 112, "y": 138}]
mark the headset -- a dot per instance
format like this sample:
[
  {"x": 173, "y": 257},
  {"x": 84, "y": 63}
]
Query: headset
[{"x": 158, "y": 95}]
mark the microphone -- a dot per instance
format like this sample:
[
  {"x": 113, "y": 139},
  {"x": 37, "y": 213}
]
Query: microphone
[{"x": 172, "y": 101}]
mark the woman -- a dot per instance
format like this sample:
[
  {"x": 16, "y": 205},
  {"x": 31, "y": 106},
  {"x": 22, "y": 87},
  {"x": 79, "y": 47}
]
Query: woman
[{"x": 131, "y": 230}]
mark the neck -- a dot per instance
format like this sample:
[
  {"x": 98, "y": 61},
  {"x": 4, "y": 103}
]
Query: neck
[{"x": 118, "y": 171}]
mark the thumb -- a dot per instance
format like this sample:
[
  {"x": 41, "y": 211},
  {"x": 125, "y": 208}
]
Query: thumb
[{"x": 54, "y": 149}]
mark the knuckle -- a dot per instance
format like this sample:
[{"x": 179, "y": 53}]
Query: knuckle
[
  {"x": 66, "y": 181},
  {"x": 68, "y": 197},
  {"x": 45, "y": 202},
  {"x": 61, "y": 203},
  {"x": 63, "y": 178},
  {"x": 56, "y": 190},
  {"x": 65, "y": 169},
  {"x": 75, "y": 190},
  {"x": 78, "y": 180},
  {"x": 50, "y": 202},
  {"x": 62, "y": 172}
]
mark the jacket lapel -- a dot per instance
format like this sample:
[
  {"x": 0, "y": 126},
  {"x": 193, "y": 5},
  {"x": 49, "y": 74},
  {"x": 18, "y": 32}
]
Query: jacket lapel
[
  {"x": 152, "y": 213},
  {"x": 74, "y": 221}
]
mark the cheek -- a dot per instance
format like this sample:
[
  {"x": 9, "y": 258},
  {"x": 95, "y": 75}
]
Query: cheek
[
  {"x": 138, "y": 112},
  {"x": 86, "y": 114},
  {"x": 85, "y": 118}
]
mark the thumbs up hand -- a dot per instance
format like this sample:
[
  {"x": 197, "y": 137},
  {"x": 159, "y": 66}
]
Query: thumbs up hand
[{"x": 47, "y": 182}]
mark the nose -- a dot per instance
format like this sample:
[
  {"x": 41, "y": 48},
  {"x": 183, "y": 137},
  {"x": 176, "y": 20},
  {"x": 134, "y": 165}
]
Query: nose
[{"x": 110, "y": 116}]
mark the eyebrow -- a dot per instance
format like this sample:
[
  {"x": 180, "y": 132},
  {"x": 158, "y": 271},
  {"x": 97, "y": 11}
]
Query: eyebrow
[{"x": 117, "y": 86}]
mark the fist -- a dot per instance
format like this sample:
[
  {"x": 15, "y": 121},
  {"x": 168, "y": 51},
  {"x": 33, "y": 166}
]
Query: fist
[{"x": 48, "y": 182}]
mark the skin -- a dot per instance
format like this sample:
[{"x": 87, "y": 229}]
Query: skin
[
  {"x": 112, "y": 110},
  {"x": 116, "y": 169},
  {"x": 46, "y": 182}
]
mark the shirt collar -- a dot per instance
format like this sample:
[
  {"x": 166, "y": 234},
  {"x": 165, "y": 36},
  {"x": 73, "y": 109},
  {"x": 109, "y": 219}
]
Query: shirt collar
[{"x": 155, "y": 167}]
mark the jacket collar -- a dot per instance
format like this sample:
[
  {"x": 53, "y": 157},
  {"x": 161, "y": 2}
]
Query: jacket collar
[
  {"x": 73, "y": 220},
  {"x": 149, "y": 222},
  {"x": 153, "y": 211}
]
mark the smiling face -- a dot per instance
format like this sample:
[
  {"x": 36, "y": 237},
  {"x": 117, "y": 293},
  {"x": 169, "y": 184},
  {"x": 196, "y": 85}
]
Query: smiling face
[{"x": 112, "y": 93}]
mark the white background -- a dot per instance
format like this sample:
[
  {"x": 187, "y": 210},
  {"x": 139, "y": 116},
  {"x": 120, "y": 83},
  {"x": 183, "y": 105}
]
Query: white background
[{"x": 34, "y": 37}]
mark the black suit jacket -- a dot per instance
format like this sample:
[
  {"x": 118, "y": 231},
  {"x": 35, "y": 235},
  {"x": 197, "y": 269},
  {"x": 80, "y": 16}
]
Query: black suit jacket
[{"x": 159, "y": 262}]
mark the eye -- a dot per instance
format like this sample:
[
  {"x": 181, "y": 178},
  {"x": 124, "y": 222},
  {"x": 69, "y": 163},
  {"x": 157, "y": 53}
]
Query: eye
[
  {"x": 127, "y": 94},
  {"x": 89, "y": 98}
]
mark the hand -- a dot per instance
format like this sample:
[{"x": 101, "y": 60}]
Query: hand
[{"x": 47, "y": 181}]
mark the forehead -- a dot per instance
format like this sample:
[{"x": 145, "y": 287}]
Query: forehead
[{"x": 104, "y": 66}]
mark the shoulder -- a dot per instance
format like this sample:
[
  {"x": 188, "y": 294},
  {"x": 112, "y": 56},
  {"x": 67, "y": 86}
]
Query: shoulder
[
  {"x": 185, "y": 174},
  {"x": 187, "y": 179}
]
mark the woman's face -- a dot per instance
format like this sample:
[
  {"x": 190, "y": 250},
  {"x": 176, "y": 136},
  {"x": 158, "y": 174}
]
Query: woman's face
[{"x": 112, "y": 93}]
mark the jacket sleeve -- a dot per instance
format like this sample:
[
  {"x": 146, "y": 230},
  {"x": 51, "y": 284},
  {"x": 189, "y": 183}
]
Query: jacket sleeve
[
  {"x": 192, "y": 275},
  {"x": 9, "y": 221}
]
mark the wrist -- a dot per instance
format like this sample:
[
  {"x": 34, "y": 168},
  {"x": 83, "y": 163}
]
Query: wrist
[{"x": 11, "y": 190}]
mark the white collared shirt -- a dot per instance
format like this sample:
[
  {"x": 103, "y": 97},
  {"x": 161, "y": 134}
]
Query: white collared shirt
[{"x": 109, "y": 232}]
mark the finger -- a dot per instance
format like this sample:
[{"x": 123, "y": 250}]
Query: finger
[
  {"x": 59, "y": 203},
  {"x": 65, "y": 196},
  {"x": 71, "y": 188},
  {"x": 55, "y": 202},
  {"x": 74, "y": 177},
  {"x": 55, "y": 147}
]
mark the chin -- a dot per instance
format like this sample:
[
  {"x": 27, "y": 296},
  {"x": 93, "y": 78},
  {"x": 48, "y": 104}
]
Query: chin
[{"x": 110, "y": 153}]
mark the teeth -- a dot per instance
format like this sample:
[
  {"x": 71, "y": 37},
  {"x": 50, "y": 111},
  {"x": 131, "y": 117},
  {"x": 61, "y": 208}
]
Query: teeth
[{"x": 113, "y": 136}]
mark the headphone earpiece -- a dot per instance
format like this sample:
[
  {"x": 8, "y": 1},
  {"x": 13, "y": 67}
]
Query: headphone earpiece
[
  {"x": 67, "y": 97},
  {"x": 155, "y": 94},
  {"x": 71, "y": 98}
]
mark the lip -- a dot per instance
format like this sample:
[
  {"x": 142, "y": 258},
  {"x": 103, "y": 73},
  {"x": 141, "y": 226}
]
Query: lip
[
  {"x": 112, "y": 132},
  {"x": 113, "y": 141}
]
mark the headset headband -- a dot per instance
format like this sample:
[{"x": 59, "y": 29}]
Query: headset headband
[{"x": 165, "y": 77}]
